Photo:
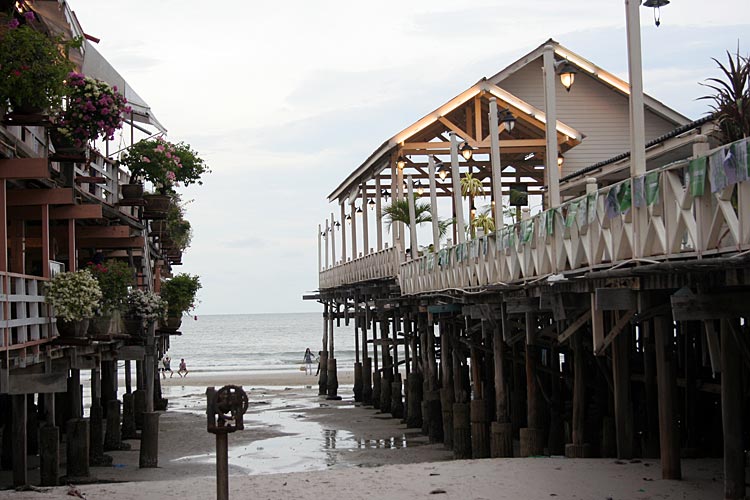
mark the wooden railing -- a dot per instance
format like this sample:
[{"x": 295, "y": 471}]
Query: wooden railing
[
  {"x": 108, "y": 192},
  {"x": 691, "y": 209},
  {"x": 378, "y": 265},
  {"x": 25, "y": 320}
]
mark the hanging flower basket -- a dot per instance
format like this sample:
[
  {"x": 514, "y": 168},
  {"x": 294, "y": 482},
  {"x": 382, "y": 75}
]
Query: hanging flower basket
[
  {"x": 66, "y": 148},
  {"x": 172, "y": 323},
  {"x": 157, "y": 206}
]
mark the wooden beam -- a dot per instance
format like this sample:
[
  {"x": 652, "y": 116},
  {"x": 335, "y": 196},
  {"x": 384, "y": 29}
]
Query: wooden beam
[
  {"x": 688, "y": 306},
  {"x": 597, "y": 325},
  {"x": 26, "y": 197},
  {"x": 103, "y": 232},
  {"x": 574, "y": 327},
  {"x": 616, "y": 299},
  {"x": 87, "y": 211},
  {"x": 517, "y": 305},
  {"x": 24, "y": 168},
  {"x": 131, "y": 352},
  {"x": 616, "y": 329},
  {"x": 106, "y": 243},
  {"x": 36, "y": 383}
]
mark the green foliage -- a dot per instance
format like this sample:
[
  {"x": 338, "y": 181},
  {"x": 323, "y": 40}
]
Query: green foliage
[
  {"x": 146, "y": 305},
  {"x": 398, "y": 211},
  {"x": 485, "y": 221},
  {"x": 33, "y": 68},
  {"x": 180, "y": 292},
  {"x": 73, "y": 295},
  {"x": 114, "y": 278},
  {"x": 178, "y": 228},
  {"x": 471, "y": 186},
  {"x": 731, "y": 98},
  {"x": 164, "y": 164}
]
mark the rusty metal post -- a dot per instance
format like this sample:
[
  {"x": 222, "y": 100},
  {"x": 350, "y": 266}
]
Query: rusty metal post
[
  {"x": 224, "y": 415},
  {"x": 222, "y": 466}
]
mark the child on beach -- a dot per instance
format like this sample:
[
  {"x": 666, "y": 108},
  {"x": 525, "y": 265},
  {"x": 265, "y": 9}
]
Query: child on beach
[
  {"x": 166, "y": 367},
  {"x": 308, "y": 361},
  {"x": 183, "y": 368}
]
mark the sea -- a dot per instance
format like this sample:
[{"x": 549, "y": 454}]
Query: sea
[{"x": 258, "y": 343}]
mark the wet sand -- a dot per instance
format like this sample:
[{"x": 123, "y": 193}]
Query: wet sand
[{"x": 297, "y": 445}]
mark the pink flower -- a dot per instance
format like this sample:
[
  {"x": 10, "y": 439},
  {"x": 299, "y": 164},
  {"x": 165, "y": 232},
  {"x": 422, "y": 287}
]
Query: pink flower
[
  {"x": 145, "y": 159},
  {"x": 159, "y": 148},
  {"x": 171, "y": 176}
]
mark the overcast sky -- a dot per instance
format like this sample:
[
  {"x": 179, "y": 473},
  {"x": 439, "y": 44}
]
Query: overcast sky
[{"x": 285, "y": 99}]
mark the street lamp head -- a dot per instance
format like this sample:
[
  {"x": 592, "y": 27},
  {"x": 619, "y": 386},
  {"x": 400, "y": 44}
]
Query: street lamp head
[
  {"x": 420, "y": 188},
  {"x": 385, "y": 193},
  {"x": 338, "y": 225},
  {"x": 466, "y": 151},
  {"x": 349, "y": 219},
  {"x": 656, "y": 5},
  {"x": 371, "y": 204},
  {"x": 359, "y": 210},
  {"x": 560, "y": 160},
  {"x": 567, "y": 73},
  {"x": 441, "y": 170},
  {"x": 506, "y": 118}
]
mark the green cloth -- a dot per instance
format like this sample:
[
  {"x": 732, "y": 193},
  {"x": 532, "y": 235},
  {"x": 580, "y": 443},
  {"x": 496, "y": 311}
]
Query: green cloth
[
  {"x": 571, "y": 215},
  {"x": 697, "y": 176},
  {"x": 527, "y": 230},
  {"x": 591, "y": 200},
  {"x": 652, "y": 187},
  {"x": 624, "y": 198},
  {"x": 549, "y": 221}
]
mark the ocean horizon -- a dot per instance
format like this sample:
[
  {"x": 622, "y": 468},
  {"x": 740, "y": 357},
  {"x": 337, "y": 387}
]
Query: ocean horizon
[{"x": 258, "y": 342}]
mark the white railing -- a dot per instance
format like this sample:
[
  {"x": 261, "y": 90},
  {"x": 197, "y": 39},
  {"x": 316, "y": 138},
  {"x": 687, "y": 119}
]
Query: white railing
[
  {"x": 378, "y": 265},
  {"x": 681, "y": 211},
  {"x": 25, "y": 320}
]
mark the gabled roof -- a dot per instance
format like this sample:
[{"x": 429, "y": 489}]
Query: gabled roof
[
  {"x": 382, "y": 154},
  {"x": 595, "y": 71}
]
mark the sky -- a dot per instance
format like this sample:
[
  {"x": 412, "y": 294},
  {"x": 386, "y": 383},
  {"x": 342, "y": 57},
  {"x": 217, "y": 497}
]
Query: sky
[{"x": 284, "y": 99}]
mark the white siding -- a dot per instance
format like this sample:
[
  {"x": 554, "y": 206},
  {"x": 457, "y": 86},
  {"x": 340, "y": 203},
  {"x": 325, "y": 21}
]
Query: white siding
[{"x": 592, "y": 108}]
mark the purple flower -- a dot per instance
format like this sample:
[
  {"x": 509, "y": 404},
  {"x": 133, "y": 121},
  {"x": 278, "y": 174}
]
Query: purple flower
[
  {"x": 29, "y": 16},
  {"x": 13, "y": 24}
]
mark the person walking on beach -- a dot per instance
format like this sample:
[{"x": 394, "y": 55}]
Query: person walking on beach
[
  {"x": 308, "y": 361},
  {"x": 320, "y": 353},
  {"x": 166, "y": 362},
  {"x": 183, "y": 368}
]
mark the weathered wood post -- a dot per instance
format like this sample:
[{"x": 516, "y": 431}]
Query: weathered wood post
[
  {"x": 501, "y": 439},
  {"x": 366, "y": 362},
  {"x": 49, "y": 455},
  {"x": 113, "y": 435},
  {"x": 96, "y": 427},
  {"x": 532, "y": 437},
  {"x": 18, "y": 428},
  {"x": 149, "y": 451},
  {"x": 669, "y": 442},
  {"x": 414, "y": 379},
  {"x": 461, "y": 408},
  {"x": 128, "y": 409},
  {"x": 333, "y": 381},
  {"x": 397, "y": 403},
  {"x": 376, "y": 375},
  {"x": 433, "y": 412},
  {"x": 224, "y": 411},
  {"x": 651, "y": 438},
  {"x": 387, "y": 372},
  {"x": 77, "y": 449},
  {"x": 323, "y": 358},
  {"x": 623, "y": 402},
  {"x": 480, "y": 428},
  {"x": 447, "y": 394},
  {"x": 357, "y": 388},
  {"x": 731, "y": 410},
  {"x": 578, "y": 449}
]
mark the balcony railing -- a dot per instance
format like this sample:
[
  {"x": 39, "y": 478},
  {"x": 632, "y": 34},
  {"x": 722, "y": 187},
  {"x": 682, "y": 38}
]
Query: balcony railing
[
  {"x": 377, "y": 265},
  {"x": 25, "y": 320},
  {"x": 685, "y": 210}
]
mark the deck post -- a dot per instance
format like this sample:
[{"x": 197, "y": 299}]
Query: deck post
[
  {"x": 342, "y": 205},
  {"x": 480, "y": 427},
  {"x": 353, "y": 214},
  {"x": 622, "y": 398},
  {"x": 669, "y": 442},
  {"x": 18, "y": 427},
  {"x": 378, "y": 213},
  {"x": 366, "y": 363},
  {"x": 128, "y": 407},
  {"x": 333, "y": 238},
  {"x": 77, "y": 448},
  {"x": 415, "y": 393},
  {"x": 397, "y": 404},
  {"x": 387, "y": 377},
  {"x": 49, "y": 454},
  {"x": 447, "y": 395},
  {"x": 323, "y": 358},
  {"x": 365, "y": 222},
  {"x": 333, "y": 381},
  {"x": 550, "y": 110},
  {"x": 532, "y": 437},
  {"x": 731, "y": 411},
  {"x": 458, "y": 202},
  {"x": 357, "y": 387},
  {"x": 96, "y": 427},
  {"x": 578, "y": 448},
  {"x": 433, "y": 204},
  {"x": 497, "y": 176},
  {"x": 376, "y": 376},
  {"x": 413, "y": 245},
  {"x": 112, "y": 435},
  {"x": 461, "y": 408},
  {"x": 501, "y": 432}
]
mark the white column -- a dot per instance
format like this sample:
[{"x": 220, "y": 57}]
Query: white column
[
  {"x": 320, "y": 244},
  {"x": 342, "y": 204},
  {"x": 365, "y": 223},
  {"x": 327, "y": 235},
  {"x": 412, "y": 221},
  {"x": 378, "y": 212},
  {"x": 353, "y": 213},
  {"x": 550, "y": 109},
  {"x": 394, "y": 197},
  {"x": 457, "y": 199},
  {"x": 400, "y": 196},
  {"x": 635, "y": 72},
  {"x": 497, "y": 169},
  {"x": 433, "y": 204},
  {"x": 333, "y": 241}
]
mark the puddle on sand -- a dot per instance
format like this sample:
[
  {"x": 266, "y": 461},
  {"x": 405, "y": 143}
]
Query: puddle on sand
[{"x": 306, "y": 445}]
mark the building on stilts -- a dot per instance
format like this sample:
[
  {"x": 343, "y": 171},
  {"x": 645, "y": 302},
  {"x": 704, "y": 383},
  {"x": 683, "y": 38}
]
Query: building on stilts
[{"x": 592, "y": 308}]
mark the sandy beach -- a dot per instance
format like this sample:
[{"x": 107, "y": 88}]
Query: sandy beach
[{"x": 298, "y": 445}]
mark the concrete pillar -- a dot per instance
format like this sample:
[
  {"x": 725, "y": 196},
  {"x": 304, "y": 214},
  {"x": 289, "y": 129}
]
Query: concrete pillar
[
  {"x": 77, "y": 448},
  {"x": 149, "y": 452}
]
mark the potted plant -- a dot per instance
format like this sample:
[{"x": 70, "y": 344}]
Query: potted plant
[
  {"x": 33, "y": 67},
  {"x": 165, "y": 165},
  {"x": 114, "y": 278},
  {"x": 144, "y": 306},
  {"x": 93, "y": 109},
  {"x": 179, "y": 292},
  {"x": 178, "y": 232},
  {"x": 74, "y": 297}
]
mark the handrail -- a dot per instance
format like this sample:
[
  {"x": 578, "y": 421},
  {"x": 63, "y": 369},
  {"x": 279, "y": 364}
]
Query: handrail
[{"x": 377, "y": 265}]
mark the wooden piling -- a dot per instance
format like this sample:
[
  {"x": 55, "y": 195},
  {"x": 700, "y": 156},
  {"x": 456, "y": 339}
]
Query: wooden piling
[
  {"x": 113, "y": 435},
  {"x": 376, "y": 376},
  {"x": 501, "y": 431},
  {"x": 532, "y": 438},
  {"x": 447, "y": 395},
  {"x": 578, "y": 448},
  {"x": 128, "y": 430},
  {"x": 731, "y": 411},
  {"x": 669, "y": 443},
  {"x": 623, "y": 403},
  {"x": 333, "y": 380},
  {"x": 357, "y": 388},
  {"x": 367, "y": 393},
  {"x": 323, "y": 361},
  {"x": 77, "y": 449},
  {"x": 49, "y": 455},
  {"x": 149, "y": 452},
  {"x": 139, "y": 407},
  {"x": 20, "y": 463},
  {"x": 414, "y": 413},
  {"x": 461, "y": 431},
  {"x": 480, "y": 429},
  {"x": 387, "y": 372}
]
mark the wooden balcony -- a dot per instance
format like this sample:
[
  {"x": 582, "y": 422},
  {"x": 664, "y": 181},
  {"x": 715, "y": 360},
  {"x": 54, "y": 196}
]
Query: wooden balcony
[
  {"x": 688, "y": 210},
  {"x": 378, "y": 265}
]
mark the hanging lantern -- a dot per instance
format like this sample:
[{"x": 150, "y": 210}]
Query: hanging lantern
[
  {"x": 656, "y": 5},
  {"x": 442, "y": 171},
  {"x": 506, "y": 118},
  {"x": 420, "y": 189},
  {"x": 567, "y": 73},
  {"x": 371, "y": 204},
  {"x": 560, "y": 160},
  {"x": 348, "y": 219},
  {"x": 401, "y": 162},
  {"x": 466, "y": 151}
]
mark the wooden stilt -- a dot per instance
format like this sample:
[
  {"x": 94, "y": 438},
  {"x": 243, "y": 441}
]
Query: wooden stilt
[
  {"x": 49, "y": 455},
  {"x": 333, "y": 381},
  {"x": 669, "y": 443},
  {"x": 578, "y": 448},
  {"x": 357, "y": 388},
  {"x": 623, "y": 403},
  {"x": 731, "y": 412},
  {"x": 376, "y": 375},
  {"x": 447, "y": 394},
  {"x": 501, "y": 439},
  {"x": 461, "y": 408},
  {"x": 77, "y": 449},
  {"x": 323, "y": 358},
  {"x": 532, "y": 438},
  {"x": 149, "y": 452},
  {"x": 366, "y": 362},
  {"x": 397, "y": 404},
  {"x": 387, "y": 372},
  {"x": 651, "y": 438},
  {"x": 20, "y": 463}
]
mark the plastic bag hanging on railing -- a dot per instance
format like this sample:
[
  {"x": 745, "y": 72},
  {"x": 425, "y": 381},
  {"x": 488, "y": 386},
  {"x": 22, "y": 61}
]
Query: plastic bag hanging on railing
[
  {"x": 572, "y": 213},
  {"x": 652, "y": 187},
  {"x": 697, "y": 176},
  {"x": 591, "y": 201}
]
